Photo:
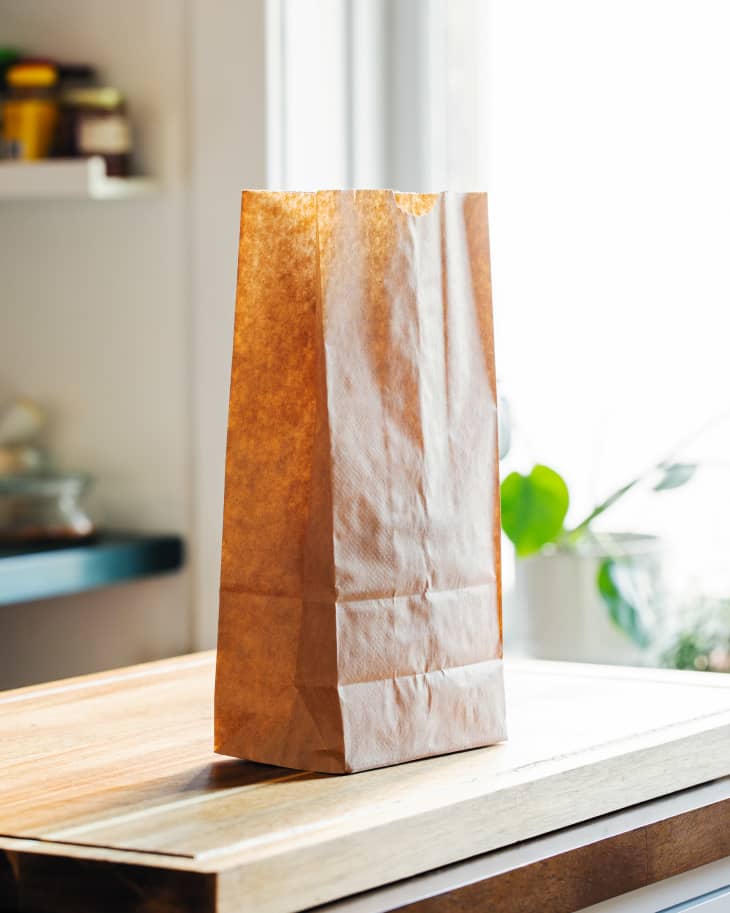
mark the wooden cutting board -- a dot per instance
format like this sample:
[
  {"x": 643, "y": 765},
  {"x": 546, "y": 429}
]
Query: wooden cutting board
[{"x": 112, "y": 799}]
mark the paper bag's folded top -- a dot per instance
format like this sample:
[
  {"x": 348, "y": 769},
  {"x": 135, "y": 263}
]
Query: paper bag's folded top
[{"x": 360, "y": 620}]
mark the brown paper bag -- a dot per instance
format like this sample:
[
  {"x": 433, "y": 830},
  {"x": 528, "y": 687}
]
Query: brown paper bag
[{"x": 360, "y": 620}]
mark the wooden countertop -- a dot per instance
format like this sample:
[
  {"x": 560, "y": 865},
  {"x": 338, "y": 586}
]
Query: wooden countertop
[{"x": 111, "y": 796}]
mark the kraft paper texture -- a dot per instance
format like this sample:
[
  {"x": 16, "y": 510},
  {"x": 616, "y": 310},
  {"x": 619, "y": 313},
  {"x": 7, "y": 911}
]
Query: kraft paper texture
[{"x": 360, "y": 616}]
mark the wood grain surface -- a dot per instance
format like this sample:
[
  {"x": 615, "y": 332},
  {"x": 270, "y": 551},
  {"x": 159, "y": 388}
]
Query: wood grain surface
[{"x": 110, "y": 789}]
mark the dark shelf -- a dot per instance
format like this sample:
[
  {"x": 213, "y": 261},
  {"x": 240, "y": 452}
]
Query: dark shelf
[{"x": 39, "y": 572}]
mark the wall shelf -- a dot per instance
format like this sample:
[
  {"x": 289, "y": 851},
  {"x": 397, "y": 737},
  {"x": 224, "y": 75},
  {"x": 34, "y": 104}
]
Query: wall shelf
[
  {"x": 73, "y": 179},
  {"x": 45, "y": 571}
]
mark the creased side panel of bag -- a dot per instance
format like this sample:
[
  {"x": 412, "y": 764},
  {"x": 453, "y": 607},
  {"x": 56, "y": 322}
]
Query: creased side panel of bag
[
  {"x": 259, "y": 711},
  {"x": 413, "y": 436}
]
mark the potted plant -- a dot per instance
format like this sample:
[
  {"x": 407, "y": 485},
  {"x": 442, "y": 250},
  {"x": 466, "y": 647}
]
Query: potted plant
[{"x": 581, "y": 594}]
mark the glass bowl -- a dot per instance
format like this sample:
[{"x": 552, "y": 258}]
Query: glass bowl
[{"x": 38, "y": 508}]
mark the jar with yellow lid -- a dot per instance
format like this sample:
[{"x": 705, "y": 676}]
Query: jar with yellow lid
[{"x": 30, "y": 112}]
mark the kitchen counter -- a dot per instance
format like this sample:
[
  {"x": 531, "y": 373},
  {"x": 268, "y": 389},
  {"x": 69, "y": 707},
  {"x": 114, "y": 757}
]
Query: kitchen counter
[{"x": 112, "y": 799}]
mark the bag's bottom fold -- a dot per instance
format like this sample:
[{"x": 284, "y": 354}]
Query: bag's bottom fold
[{"x": 300, "y": 711}]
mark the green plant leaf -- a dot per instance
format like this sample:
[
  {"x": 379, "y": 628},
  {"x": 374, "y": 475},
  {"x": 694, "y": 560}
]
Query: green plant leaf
[
  {"x": 533, "y": 508},
  {"x": 623, "y": 610},
  {"x": 675, "y": 475}
]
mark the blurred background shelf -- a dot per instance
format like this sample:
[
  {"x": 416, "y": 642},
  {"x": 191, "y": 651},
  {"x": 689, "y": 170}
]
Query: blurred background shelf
[
  {"x": 68, "y": 179},
  {"x": 57, "y": 570}
]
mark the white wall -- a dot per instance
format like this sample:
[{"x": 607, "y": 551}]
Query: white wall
[
  {"x": 95, "y": 304},
  {"x": 228, "y": 152}
]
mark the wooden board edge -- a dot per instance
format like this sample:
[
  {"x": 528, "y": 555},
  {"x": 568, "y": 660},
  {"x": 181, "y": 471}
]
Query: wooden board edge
[
  {"x": 38, "y": 875},
  {"x": 328, "y": 870},
  {"x": 21, "y": 846},
  {"x": 449, "y": 879},
  {"x": 586, "y": 875}
]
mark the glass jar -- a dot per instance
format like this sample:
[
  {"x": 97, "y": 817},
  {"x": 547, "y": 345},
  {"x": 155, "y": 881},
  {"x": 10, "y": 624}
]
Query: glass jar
[
  {"x": 30, "y": 112},
  {"x": 37, "y": 508},
  {"x": 96, "y": 124}
]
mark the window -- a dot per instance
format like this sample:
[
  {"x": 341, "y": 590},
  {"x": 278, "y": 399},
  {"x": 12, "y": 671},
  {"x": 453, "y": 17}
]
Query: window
[{"x": 601, "y": 134}]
